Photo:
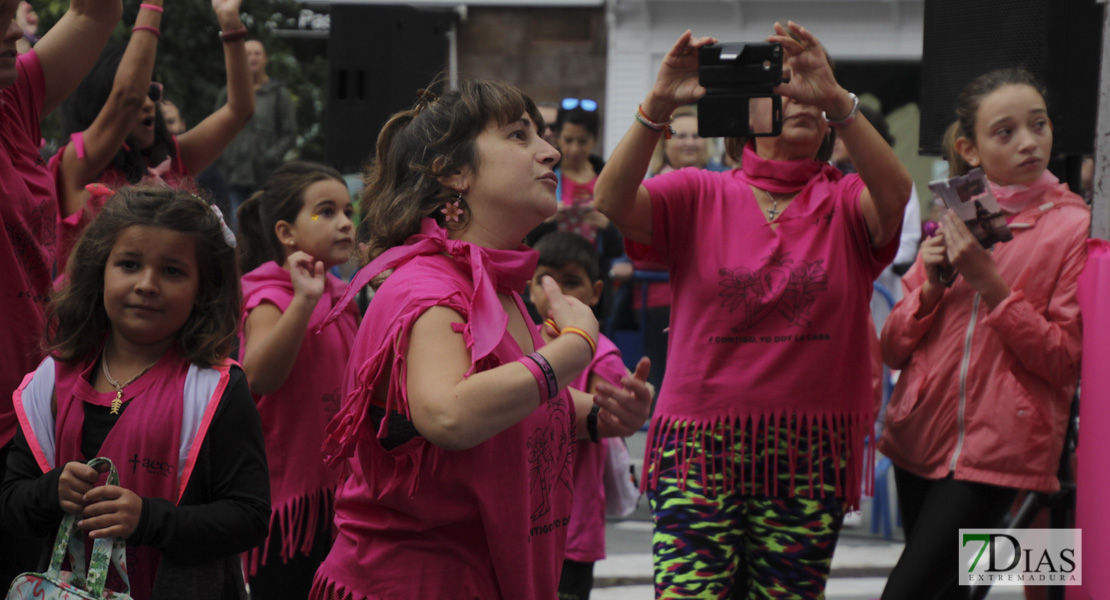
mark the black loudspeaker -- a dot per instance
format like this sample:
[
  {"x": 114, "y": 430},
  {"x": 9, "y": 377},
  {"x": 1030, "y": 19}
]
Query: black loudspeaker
[
  {"x": 378, "y": 56},
  {"x": 1058, "y": 41}
]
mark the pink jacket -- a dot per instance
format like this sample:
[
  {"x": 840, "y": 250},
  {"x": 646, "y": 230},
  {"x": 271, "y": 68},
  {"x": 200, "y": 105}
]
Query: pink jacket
[{"x": 984, "y": 394}]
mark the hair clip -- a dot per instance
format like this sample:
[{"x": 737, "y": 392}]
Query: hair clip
[
  {"x": 424, "y": 98},
  {"x": 229, "y": 237}
]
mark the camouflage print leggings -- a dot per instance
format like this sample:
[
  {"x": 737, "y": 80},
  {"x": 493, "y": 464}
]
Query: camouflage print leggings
[{"x": 736, "y": 544}]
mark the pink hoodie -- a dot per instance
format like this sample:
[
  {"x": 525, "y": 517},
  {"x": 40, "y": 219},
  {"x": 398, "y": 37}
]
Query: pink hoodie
[{"x": 984, "y": 394}]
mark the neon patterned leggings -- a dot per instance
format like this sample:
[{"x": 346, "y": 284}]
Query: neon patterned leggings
[{"x": 731, "y": 545}]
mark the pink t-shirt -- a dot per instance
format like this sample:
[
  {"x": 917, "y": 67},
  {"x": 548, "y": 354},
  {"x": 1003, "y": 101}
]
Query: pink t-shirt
[
  {"x": 577, "y": 200},
  {"x": 172, "y": 173},
  {"x": 418, "y": 521},
  {"x": 586, "y": 532},
  {"x": 28, "y": 210},
  {"x": 765, "y": 323},
  {"x": 295, "y": 415}
]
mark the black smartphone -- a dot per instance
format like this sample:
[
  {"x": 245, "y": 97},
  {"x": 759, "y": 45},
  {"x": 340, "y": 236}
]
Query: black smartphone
[{"x": 739, "y": 78}]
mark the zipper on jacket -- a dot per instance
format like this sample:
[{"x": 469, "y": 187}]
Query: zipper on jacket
[{"x": 965, "y": 362}]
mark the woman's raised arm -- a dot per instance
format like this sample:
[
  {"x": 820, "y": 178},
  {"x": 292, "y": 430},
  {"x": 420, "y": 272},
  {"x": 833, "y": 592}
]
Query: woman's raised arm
[
  {"x": 619, "y": 193},
  {"x": 203, "y": 144}
]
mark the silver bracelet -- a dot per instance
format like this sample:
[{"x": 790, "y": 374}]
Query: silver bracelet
[{"x": 851, "y": 114}]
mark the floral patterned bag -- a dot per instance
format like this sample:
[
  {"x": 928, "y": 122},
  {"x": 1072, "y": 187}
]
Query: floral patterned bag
[{"x": 56, "y": 584}]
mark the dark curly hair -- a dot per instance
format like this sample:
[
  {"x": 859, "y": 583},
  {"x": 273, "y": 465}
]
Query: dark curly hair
[
  {"x": 81, "y": 108},
  {"x": 419, "y": 146},
  {"x": 77, "y": 323}
]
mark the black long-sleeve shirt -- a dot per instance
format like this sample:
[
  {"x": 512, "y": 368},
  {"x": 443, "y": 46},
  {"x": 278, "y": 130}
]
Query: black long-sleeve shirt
[{"x": 225, "y": 509}]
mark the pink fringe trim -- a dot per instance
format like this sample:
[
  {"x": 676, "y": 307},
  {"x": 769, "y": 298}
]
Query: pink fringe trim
[
  {"x": 847, "y": 434},
  {"x": 322, "y": 589},
  {"x": 299, "y": 519}
]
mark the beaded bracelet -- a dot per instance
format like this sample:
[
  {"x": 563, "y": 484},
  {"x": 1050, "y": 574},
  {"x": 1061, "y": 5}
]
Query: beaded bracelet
[
  {"x": 646, "y": 121},
  {"x": 153, "y": 30},
  {"x": 153, "y": 7},
  {"x": 234, "y": 36},
  {"x": 544, "y": 374}
]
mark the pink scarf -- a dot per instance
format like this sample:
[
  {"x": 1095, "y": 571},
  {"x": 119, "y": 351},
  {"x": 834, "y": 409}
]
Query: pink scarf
[
  {"x": 491, "y": 270},
  {"x": 784, "y": 176},
  {"x": 1014, "y": 198}
]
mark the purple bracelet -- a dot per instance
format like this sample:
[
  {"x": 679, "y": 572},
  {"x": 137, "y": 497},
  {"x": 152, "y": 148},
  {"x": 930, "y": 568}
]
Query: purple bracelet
[{"x": 544, "y": 374}]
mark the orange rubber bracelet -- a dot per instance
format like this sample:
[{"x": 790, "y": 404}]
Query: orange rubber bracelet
[{"x": 585, "y": 336}]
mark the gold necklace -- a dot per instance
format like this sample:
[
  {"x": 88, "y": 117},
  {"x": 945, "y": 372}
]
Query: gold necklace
[{"x": 117, "y": 402}]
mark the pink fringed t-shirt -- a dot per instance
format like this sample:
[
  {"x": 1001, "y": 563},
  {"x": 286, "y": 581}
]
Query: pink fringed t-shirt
[
  {"x": 586, "y": 533},
  {"x": 28, "y": 211},
  {"x": 418, "y": 521},
  {"x": 295, "y": 415},
  {"x": 765, "y": 324}
]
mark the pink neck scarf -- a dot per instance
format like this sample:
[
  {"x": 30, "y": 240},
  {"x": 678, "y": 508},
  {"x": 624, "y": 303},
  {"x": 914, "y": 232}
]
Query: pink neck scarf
[
  {"x": 783, "y": 176},
  {"x": 492, "y": 271},
  {"x": 1014, "y": 198}
]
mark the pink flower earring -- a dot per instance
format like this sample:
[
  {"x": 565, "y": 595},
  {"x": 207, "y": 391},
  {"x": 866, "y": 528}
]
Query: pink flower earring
[{"x": 452, "y": 210}]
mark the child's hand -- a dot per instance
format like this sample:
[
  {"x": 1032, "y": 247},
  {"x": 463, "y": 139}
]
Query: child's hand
[
  {"x": 974, "y": 262},
  {"x": 568, "y": 310},
  {"x": 625, "y": 410},
  {"x": 112, "y": 511},
  {"x": 76, "y": 480},
  {"x": 308, "y": 276},
  {"x": 934, "y": 255}
]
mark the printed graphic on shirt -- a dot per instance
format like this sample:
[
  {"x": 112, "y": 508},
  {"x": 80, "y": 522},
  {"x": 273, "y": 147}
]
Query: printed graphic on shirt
[
  {"x": 25, "y": 240},
  {"x": 332, "y": 401},
  {"x": 152, "y": 466},
  {"x": 551, "y": 460},
  {"x": 827, "y": 217},
  {"x": 782, "y": 285}
]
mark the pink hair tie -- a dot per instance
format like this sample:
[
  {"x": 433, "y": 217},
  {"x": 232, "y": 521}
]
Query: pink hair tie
[
  {"x": 153, "y": 30},
  {"x": 153, "y": 7}
]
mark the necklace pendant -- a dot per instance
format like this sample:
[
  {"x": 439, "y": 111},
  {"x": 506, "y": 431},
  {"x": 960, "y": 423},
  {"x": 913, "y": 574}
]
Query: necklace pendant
[
  {"x": 117, "y": 402},
  {"x": 772, "y": 213}
]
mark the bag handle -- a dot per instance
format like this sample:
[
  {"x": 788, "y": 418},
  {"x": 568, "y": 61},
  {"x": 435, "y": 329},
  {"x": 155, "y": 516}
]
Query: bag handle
[{"x": 105, "y": 550}]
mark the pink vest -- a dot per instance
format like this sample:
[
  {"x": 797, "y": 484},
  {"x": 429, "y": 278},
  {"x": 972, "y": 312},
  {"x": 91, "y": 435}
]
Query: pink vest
[
  {"x": 586, "y": 532},
  {"x": 294, "y": 417},
  {"x": 154, "y": 444},
  {"x": 417, "y": 521}
]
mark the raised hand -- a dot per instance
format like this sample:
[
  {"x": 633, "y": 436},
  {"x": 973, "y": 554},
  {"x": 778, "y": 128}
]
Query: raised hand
[
  {"x": 226, "y": 7},
  {"x": 567, "y": 310},
  {"x": 307, "y": 275},
  {"x": 811, "y": 79},
  {"x": 76, "y": 480},
  {"x": 677, "y": 81},
  {"x": 624, "y": 410},
  {"x": 227, "y": 13}
]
